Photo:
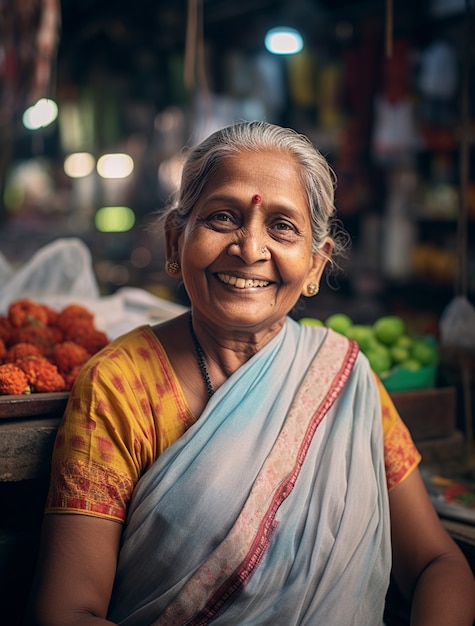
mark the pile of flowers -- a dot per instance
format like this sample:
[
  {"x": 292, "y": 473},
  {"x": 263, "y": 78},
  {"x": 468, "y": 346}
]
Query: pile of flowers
[{"x": 42, "y": 350}]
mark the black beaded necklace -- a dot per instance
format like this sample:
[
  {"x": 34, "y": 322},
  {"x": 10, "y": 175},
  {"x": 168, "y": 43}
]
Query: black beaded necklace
[{"x": 201, "y": 359}]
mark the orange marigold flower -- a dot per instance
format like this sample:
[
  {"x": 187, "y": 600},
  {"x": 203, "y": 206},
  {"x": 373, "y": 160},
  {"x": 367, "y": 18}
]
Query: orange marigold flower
[
  {"x": 21, "y": 350},
  {"x": 72, "y": 327},
  {"x": 68, "y": 355},
  {"x": 42, "y": 338},
  {"x": 13, "y": 380},
  {"x": 92, "y": 341},
  {"x": 5, "y": 328},
  {"x": 73, "y": 314},
  {"x": 55, "y": 334},
  {"x": 3, "y": 350},
  {"x": 52, "y": 315},
  {"x": 47, "y": 347},
  {"x": 25, "y": 311},
  {"x": 42, "y": 375}
]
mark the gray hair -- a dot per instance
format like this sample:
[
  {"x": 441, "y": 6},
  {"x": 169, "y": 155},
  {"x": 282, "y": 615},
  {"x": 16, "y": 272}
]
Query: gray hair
[{"x": 317, "y": 177}]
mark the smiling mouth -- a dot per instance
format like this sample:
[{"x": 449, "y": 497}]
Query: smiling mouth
[{"x": 242, "y": 283}]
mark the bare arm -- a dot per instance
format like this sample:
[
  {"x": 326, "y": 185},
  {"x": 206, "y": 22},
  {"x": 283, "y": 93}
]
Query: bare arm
[
  {"x": 428, "y": 566},
  {"x": 76, "y": 569}
]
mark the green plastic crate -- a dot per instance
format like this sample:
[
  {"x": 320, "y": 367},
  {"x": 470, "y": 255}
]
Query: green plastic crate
[{"x": 403, "y": 379}]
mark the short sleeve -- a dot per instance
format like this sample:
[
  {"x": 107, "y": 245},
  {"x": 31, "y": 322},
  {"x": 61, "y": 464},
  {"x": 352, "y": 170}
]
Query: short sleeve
[
  {"x": 125, "y": 408},
  {"x": 401, "y": 456}
]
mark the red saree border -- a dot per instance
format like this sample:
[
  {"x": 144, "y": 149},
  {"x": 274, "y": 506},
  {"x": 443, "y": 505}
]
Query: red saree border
[{"x": 330, "y": 369}]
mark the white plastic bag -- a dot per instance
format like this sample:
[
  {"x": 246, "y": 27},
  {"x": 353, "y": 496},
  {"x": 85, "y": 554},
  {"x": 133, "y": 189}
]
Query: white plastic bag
[
  {"x": 62, "y": 273},
  {"x": 62, "y": 268},
  {"x": 457, "y": 324}
]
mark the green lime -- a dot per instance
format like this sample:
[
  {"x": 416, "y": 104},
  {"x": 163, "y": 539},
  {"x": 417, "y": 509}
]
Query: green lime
[
  {"x": 339, "y": 322},
  {"x": 404, "y": 341},
  {"x": 310, "y": 321},
  {"x": 376, "y": 346},
  {"x": 423, "y": 352},
  {"x": 399, "y": 353},
  {"x": 379, "y": 361},
  {"x": 411, "y": 364},
  {"x": 363, "y": 335},
  {"x": 388, "y": 329}
]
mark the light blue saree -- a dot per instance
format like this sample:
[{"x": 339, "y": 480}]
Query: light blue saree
[{"x": 272, "y": 509}]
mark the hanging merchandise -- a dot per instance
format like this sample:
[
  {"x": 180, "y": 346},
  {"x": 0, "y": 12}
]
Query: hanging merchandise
[
  {"x": 77, "y": 119},
  {"x": 329, "y": 96},
  {"x": 398, "y": 232},
  {"x": 354, "y": 190},
  {"x": 395, "y": 136},
  {"x": 358, "y": 87},
  {"x": 29, "y": 34},
  {"x": 437, "y": 84},
  {"x": 302, "y": 78},
  {"x": 237, "y": 74},
  {"x": 395, "y": 133},
  {"x": 194, "y": 71},
  {"x": 268, "y": 85},
  {"x": 438, "y": 74},
  {"x": 46, "y": 44}
]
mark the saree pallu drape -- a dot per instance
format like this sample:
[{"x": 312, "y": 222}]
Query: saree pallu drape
[{"x": 272, "y": 509}]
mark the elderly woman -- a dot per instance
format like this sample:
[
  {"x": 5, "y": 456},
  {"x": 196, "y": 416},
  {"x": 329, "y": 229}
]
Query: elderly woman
[{"x": 231, "y": 466}]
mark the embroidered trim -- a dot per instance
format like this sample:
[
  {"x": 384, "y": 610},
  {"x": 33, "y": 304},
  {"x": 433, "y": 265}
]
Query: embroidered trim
[
  {"x": 400, "y": 454},
  {"x": 88, "y": 488}
]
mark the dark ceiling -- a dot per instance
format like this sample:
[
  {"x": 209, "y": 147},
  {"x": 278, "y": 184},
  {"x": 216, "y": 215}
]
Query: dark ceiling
[
  {"x": 136, "y": 48},
  {"x": 120, "y": 33}
]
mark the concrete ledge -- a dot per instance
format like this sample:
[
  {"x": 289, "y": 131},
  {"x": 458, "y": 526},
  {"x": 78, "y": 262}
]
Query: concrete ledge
[{"x": 25, "y": 448}]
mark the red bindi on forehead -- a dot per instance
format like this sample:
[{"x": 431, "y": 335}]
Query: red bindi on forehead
[{"x": 256, "y": 199}]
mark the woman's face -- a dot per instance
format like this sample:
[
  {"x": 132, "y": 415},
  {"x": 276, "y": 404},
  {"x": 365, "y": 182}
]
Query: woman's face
[{"x": 253, "y": 202}]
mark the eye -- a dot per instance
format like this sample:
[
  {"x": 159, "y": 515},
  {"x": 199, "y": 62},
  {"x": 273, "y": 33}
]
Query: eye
[
  {"x": 222, "y": 220},
  {"x": 221, "y": 217},
  {"x": 284, "y": 230},
  {"x": 283, "y": 226}
]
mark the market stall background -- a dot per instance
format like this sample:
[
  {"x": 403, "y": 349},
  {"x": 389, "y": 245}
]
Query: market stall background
[
  {"x": 377, "y": 86},
  {"x": 385, "y": 89}
]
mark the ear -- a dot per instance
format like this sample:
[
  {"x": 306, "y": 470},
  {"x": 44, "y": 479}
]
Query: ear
[
  {"x": 172, "y": 237},
  {"x": 319, "y": 260}
]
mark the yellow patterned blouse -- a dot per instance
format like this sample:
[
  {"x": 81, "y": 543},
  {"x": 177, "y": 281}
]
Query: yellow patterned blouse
[{"x": 108, "y": 440}]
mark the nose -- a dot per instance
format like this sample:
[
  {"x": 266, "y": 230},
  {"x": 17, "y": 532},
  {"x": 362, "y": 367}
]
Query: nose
[{"x": 251, "y": 247}]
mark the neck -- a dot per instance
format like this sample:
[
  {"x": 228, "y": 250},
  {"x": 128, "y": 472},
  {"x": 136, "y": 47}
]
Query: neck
[{"x": 226, "y": 351}]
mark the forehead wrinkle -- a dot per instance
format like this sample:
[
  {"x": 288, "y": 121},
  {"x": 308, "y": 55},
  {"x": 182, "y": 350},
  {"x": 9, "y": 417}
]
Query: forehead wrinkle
[
  {"x": 240, "y": 176},
  {"x": 234, "y": 168}
]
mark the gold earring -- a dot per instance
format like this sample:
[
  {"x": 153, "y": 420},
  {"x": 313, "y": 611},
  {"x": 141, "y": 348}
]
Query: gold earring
[
  {"x": 313, "y": 289},
  {"x": 173, "y": 267}
]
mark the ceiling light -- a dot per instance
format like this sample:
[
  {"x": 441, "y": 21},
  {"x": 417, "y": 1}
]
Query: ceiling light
[
  {"x": 115, "y": 166},
  {"x": 79, "y": 164},
  {"x": 41, "y": 114},
  {"x": 114, "y": 219},
  {"x": 283, "y": 40}
]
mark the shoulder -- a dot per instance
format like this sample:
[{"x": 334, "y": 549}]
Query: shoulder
[
  {"x": 136, "y": 354},
  {"x": 137, "y": 344}
]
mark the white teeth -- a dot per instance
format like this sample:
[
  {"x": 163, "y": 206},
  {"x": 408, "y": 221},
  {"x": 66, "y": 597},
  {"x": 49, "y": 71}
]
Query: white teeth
[{"x": 242, "y": 283}]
